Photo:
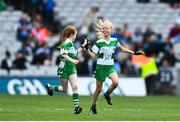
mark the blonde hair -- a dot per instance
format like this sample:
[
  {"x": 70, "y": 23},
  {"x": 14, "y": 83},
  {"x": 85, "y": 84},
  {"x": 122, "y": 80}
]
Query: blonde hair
[{"x": 99, "y": 26}]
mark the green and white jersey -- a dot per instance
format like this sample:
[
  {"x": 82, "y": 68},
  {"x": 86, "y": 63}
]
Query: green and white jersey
[
  {"x": 67, "y": 68},
  {"x": 67, "y": 47},
  {"x": 105, "y": 51}
]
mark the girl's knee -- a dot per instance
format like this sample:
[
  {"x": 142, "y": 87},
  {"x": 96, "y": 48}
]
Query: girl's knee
[
  {"x": 115, "y": 83},
  {"x": 99, "y": 89},
  {"x": 75, "y": 88}
]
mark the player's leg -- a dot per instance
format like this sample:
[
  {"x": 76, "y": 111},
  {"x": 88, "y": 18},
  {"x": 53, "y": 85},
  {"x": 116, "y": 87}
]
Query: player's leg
[
  {"x": 115, "y": 81},
  {"x": 58, "y": 88},
  {"x": 74, "y": 85},
  {"x": 62, "y": 74},
  {"x": 97, "y": 91},
  {"x": 100, "y": 78}
]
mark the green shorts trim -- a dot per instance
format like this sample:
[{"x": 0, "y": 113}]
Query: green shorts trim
[
  {"x": 67, "y": 70},
  {"x": 102, "y": 71}
]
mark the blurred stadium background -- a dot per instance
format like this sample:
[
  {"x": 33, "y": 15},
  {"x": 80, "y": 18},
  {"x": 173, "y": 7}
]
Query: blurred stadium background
[{"x": 30, "y": 32}]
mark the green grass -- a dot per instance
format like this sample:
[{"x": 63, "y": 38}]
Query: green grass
[{"x": 61, "y": 108}]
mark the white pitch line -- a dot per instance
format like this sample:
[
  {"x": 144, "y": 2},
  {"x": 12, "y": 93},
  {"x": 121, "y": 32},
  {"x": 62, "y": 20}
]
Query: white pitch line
[
  {"x": 132, "y": 109},
  {"x": 11, "y": 114},
  {"x": 61, "y": 109},
  {"x": 107, "y": 109},
  {"x": 124, "y": 109}
]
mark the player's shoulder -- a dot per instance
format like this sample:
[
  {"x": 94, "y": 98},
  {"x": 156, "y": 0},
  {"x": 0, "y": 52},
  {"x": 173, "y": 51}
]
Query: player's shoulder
[
  {"x": 67, "y": 43},
  {"x": 113, "y": 39},
  {"x": 100, "y": 40}
]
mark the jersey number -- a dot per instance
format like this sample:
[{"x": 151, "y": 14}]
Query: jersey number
[{"x": 107, "y": 56}]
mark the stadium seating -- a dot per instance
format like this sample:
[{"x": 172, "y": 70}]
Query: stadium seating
[
  {"x": 118, "y": 11},
  {"x": 122, "y": 11},
  {"x": 8, "y": 20}
]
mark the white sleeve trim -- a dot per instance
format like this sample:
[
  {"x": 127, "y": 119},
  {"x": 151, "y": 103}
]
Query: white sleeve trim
[
  {"x": 63, "y": 51},
  {"x": 119, "y": 45},
  {"x": 95, "y": 49}
]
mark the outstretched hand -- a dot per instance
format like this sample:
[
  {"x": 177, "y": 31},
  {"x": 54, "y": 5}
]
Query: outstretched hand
[
  {"x": 139, "y": 53},
  {"x": 86, "y": 43}
]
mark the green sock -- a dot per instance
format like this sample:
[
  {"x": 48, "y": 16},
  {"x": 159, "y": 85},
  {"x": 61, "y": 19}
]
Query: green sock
[
  {"x": 55, "y": 88},
  {"x": 76, "y": 99}
]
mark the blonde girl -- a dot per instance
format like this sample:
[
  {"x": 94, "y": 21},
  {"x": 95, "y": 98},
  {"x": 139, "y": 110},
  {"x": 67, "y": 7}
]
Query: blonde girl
[{"x": 104, "y": 50}]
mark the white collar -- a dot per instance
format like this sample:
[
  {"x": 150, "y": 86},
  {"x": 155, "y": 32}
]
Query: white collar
[{"x": 107, "y": 42}]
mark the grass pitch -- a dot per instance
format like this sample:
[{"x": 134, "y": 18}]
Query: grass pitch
[{"x": 61, "y": 108}]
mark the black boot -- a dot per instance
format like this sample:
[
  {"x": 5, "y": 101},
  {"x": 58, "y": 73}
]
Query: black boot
[
  {"x": 108, "y": 99},
  {"x": 49, "y": 91},
  {"x": 93, "y": 109},
  {"x": 77, "y": 110}
]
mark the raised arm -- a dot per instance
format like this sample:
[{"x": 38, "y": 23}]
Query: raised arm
[
  {"x": 84, "y": 46},
  {"x": 90, "y": 53},
  {"x": 126, "y": 50}
]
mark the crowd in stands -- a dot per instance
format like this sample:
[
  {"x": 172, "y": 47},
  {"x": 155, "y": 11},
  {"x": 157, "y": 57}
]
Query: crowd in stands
[{"x": 39, "y": 32}]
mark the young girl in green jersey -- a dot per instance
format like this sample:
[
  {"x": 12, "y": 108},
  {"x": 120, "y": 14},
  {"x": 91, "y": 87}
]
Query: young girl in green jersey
[
  {"x": 104, "y": 50},
  {"x": 67, "y": 67}
]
